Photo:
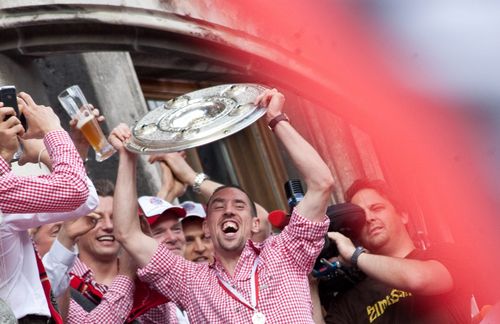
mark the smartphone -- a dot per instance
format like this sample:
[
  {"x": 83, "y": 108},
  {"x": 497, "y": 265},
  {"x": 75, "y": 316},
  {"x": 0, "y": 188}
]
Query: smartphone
[{"x": 9, "y": 98}]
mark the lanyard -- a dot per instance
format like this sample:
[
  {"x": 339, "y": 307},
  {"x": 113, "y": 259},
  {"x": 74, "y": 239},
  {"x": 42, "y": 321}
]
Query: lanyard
[{"x": 254, "y": 286}]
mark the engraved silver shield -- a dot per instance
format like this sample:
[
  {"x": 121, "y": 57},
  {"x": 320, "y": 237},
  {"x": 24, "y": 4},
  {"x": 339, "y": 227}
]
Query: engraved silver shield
[{"x": 197, "y": 118}]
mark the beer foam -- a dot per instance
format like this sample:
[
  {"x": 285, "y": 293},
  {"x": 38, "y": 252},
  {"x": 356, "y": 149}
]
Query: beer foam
[{"x": 83, "y": 121}]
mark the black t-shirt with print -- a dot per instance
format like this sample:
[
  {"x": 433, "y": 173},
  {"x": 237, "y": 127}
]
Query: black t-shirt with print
[{"x": 371, "y": 301}]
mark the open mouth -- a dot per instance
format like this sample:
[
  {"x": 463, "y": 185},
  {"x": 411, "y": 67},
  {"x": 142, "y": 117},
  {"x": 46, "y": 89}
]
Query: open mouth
[
  {"x": 229, "y": 227},
  {"x": 106, "y": 238}
]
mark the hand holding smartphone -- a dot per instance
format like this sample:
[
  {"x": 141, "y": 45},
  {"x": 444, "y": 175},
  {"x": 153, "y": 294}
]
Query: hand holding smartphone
[{"x": 9, "y": 98}]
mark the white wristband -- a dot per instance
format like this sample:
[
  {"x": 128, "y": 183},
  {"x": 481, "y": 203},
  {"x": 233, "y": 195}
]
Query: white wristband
[{"x": 40, "y": 156}]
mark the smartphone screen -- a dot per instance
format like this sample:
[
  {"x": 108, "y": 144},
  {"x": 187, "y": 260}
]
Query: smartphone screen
[{"x": 9, "y": 99}]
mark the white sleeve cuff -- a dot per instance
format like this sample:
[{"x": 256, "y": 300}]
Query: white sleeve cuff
[
  {"x": 58, "y": 262},
  {"x": 62, "y": 255}
]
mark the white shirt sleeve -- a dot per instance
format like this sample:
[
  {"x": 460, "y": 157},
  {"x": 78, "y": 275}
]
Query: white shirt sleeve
[
  {"x": 58, "y": 262},
  {"x": 21, "y": 222}
]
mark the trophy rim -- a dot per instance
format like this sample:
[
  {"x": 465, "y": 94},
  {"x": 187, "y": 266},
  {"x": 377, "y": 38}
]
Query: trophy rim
[{"x": 197, "y": 118}]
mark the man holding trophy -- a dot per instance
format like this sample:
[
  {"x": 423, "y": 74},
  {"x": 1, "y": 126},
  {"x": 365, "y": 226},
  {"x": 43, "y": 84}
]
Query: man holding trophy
[{"x": 248, "y": 282}]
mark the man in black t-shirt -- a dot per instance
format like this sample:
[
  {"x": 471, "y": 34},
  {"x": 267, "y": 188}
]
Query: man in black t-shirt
[{"x": 403, "y": 284}]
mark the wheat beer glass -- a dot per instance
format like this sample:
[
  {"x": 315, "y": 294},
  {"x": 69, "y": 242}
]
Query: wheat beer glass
[{"x": 77, "y": 107}]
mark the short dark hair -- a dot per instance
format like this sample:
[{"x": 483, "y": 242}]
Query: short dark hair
[
  {"x": 191, "y": 220},
  {"x": 379, "y": 186},
  {"x": 253, "y": 208},
  {"x": 104, "y": 187}
]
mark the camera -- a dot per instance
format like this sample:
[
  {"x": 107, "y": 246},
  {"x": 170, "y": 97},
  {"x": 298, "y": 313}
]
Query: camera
[
  {"x": 345, "y": 218},
  {"x": 348, "y": 219}
]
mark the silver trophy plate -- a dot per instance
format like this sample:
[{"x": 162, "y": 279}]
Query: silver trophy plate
[{"x": 197, "y": 118}]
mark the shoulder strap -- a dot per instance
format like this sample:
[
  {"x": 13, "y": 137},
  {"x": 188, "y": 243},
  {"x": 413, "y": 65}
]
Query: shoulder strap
[{"x": 86, "y": 304}]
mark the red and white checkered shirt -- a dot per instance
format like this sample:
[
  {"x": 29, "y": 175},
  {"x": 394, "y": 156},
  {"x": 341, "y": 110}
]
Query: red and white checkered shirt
[
  {"x": 63, "y": 190},
  {"x": 285, "y": 261},
  {"x": 157, "y": 315},
  {"x": 114, "y": 306}
]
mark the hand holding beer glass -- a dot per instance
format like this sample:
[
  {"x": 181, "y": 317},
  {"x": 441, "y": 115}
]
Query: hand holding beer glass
[{"x": 77, "y": 107}]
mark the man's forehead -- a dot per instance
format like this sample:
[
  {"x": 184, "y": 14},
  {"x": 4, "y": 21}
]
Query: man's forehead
[
  {"x": 368, "y": 196},
  {"x": 229, "y": 193},
  {"x": 105, "y": 204},
  {"x": 166, "y": 219},
  {"x": 193, "y": 230},
  {"x": 106, "y": 199}
]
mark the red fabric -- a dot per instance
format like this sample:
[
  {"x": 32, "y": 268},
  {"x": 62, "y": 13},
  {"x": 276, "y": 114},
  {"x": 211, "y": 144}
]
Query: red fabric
[
  {"x": 145, "y": 299},
  {"x": 86, "y": 289},
  {"x": 46, "y": 289}
]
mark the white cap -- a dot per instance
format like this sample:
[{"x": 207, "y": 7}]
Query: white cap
[
  {"x": 194, "y": 209},
  {"x": 153, "y": 207}
]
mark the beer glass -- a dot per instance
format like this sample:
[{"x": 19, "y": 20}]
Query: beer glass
[{"x": 77, "y": 107}]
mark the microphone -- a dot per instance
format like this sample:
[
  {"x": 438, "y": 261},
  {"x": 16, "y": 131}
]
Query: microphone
[
  {"x": 279, "y": 219},
  {"x": 294, "y": 192}
]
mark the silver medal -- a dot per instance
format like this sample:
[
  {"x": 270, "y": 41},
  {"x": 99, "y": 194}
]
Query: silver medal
[{"x": 258, "y": 318}]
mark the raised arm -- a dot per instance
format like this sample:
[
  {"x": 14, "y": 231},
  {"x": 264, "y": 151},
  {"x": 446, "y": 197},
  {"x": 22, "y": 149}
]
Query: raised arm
[
  {"x": 10, "y": 129},
  {"x": 171, "y": 187},
  {"x": 25, "y": 221},
  {"x": 184, "y": 173},
  {"x": 65, "y": 188},
  {"x": 311, "y": 166},
  {"x": 127, "y": 223},
  {"x": 62, "y": 254}
]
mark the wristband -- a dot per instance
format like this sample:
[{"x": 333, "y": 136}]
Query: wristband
[
  {"x": 356, "y": 254},
  {"x": 40, "y": 157},
  {"x": 281, "y": 117},
  {"x": 200, "y": 177}
]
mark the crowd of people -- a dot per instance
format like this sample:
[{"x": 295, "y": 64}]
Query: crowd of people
[{"x": 74, "y": 250}]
